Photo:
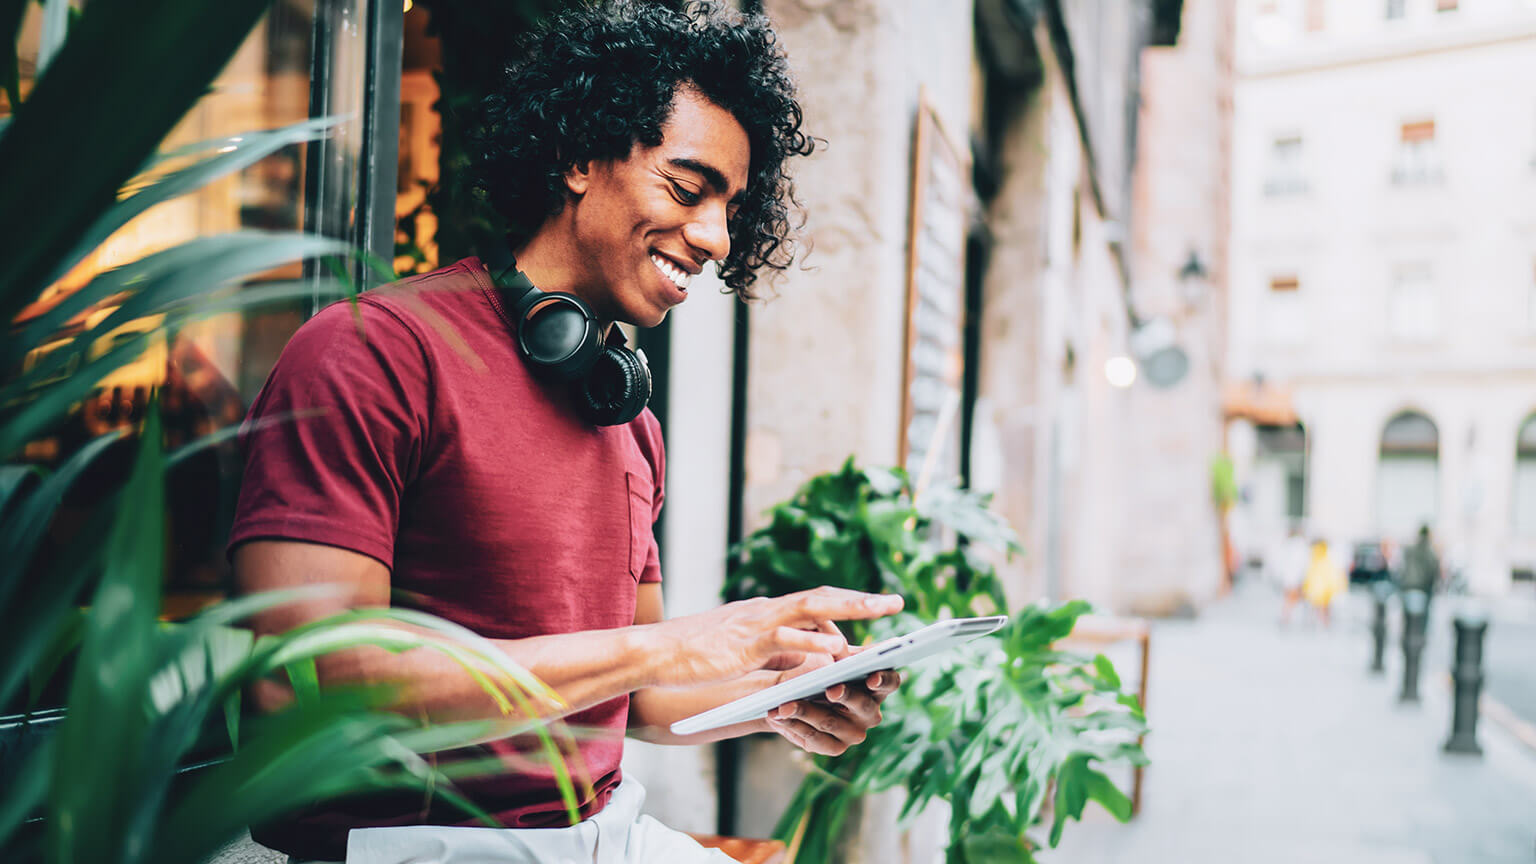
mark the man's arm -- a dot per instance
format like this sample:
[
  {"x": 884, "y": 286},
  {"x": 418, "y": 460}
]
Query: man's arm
[
  {"x": 585, "y": 668},
  {"x": 829, "y": 725}
]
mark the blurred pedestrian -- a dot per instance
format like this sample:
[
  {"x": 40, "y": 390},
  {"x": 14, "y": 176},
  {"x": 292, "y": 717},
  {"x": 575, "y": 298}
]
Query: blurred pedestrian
[
  {"x": 1324, "y": 580},
  {"x": 1392, "y": 554},
  {"x": 1421, "y": 566},
  {"x": 1289, "y": 570}
]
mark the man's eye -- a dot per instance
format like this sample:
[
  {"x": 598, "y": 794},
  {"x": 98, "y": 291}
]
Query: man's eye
[{"x": 685, "y": 195}]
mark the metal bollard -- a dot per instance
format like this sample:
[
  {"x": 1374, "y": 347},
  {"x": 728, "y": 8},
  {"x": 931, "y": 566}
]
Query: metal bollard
[
  {"x": 1471, "y": 625},
  {"x": 1415, "y": 621},
  {"x": 1379, "y": 593}
]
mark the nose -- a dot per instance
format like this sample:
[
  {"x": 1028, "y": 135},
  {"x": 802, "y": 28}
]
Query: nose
[{"x": 709, "y": 232}]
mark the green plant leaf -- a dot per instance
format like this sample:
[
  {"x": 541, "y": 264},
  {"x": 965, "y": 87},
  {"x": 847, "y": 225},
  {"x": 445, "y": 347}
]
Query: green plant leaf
[
  {"x": 24, "y": 526},
  {"x": 106, "y": 728},
  {"x": 26, "y": 792},
  {"x": 1106, "y": 672},
  {"x": 12, "y": 479},
  {"x": 40, "y": 625},
  {"x": 37, "y": 417},
  {"x": 235, "y": 153},
  {"x": 1103, "y": 790},
  {"x": 55, "y": 399},
  {"x": 160, "y": 279},
  {"x": 52, "y": 151},
  {"x": 11, "y": 13},
  {"x": 305, "y": 678}
]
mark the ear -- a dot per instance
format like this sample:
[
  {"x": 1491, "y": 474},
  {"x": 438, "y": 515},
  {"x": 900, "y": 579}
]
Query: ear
[{"x": 578, "y": 177}]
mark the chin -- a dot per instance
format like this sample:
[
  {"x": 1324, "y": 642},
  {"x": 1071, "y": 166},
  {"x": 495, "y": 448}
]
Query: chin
[{"x": 650, "y": 318}]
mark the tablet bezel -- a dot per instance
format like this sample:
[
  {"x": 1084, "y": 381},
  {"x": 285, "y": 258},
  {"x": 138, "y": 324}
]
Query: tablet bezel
[{"x": 892, "y": 653}]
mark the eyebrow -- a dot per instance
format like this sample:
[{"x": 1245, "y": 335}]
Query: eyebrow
[{"x": 711, "y": 175}]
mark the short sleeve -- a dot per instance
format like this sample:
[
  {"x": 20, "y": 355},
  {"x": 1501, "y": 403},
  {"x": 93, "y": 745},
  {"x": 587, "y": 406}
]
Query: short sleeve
[
  {"x": 648, "y": 436},
  {"x": 336, "y": 434}
]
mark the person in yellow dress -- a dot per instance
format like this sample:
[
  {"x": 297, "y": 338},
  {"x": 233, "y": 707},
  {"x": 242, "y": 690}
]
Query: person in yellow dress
[{"x": 1324, "y": 580}]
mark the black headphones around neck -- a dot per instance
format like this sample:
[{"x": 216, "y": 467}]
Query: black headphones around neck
[{"x": 557, "y": 334}]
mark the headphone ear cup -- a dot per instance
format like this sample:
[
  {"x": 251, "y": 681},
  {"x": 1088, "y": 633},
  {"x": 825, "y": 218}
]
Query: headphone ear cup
[
  {"x": 616, "y": 388},
  {"x": 559, "y": 335}
]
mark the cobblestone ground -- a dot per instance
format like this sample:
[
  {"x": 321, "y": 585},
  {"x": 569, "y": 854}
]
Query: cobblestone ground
[{"x": 1276, "y": 745}]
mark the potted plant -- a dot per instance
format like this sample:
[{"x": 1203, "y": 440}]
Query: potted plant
[{"x": 1006, "y": 730}]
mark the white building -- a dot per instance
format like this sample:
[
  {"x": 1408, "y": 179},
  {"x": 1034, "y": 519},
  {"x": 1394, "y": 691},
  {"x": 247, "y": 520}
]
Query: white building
[{"x": 1384, "y": 274}]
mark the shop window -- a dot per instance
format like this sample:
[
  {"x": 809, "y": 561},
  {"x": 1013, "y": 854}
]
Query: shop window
[
  {"x": 1417, "y": 162},
  {"x": 1286, "y": 173},
  {"x": 1278, "y": 491},
  {"x": 1407, "y": 476},
  {"x": 1396, "y": 9},
  {"x": 303, "y": 59},
  {"x": 1283, "y": 316},
  {"x": 1524, "y": 510}
]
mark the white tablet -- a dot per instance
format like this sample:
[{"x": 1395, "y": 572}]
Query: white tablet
[{"x": 891, "y": 654}]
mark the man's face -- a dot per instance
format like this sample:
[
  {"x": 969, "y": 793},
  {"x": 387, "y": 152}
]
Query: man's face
[{"x": 643, "y": 226}]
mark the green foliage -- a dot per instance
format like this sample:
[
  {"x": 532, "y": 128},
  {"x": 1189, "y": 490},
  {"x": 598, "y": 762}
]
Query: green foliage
[
  {"x": 860, "y": 529},
  {"x": 144, "y": 694},
  {"x": 991, "y": 727},
  {"x": 1223, "y": 482},
  {"x": 146, "y": 699}
]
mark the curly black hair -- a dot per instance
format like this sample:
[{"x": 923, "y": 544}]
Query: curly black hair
[{"x": 593, "y": 81}]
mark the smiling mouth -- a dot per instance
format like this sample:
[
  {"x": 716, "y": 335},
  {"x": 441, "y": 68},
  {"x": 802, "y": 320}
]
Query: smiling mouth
[{"x": 671, "y": 271}]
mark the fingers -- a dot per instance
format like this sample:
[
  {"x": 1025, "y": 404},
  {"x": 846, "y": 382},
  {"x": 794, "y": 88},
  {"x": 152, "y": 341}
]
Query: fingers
[
  {"x": 791, "y": 639},
  {"x": 883, "y": 684},
  {"x": 816, "y": 728},
  {"x": 836, "y": 604},
  {"x": 857, "y": 703},
  {"x": 807, "y": 738},
  {"x": 831, "y": 629},
  {"x": 824, "y": 718}
]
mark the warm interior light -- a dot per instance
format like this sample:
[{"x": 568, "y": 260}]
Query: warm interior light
[
  {"x": 408, "y": 5},
  {"x": 1121, "y": 371}
]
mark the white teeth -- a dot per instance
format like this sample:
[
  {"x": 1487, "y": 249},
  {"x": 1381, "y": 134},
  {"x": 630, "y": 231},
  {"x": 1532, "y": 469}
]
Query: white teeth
[{"x": 678, "y": 277}]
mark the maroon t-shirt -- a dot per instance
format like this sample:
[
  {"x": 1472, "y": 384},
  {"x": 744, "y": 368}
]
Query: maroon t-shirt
[{"x": 422, "y": 439}]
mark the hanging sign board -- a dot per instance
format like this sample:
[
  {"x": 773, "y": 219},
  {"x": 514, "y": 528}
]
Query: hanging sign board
[{"x": 929, "y": 446}]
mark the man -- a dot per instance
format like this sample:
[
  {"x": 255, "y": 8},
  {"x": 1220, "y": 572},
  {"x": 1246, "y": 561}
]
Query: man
[
  {"x": 430, "y": 462},
  {"x": 1421, "y": 566}
]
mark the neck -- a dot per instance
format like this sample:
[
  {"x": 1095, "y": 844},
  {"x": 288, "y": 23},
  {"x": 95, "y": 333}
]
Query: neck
[{"x": 547, "y": 260}]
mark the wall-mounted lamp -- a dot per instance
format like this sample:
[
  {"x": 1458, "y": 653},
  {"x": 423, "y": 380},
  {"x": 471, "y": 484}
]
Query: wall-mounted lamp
[
  {"x": 1154, "y": 344},
  {"x": 1192, "y": 276},
  {"x": 1120, "y": 370}
]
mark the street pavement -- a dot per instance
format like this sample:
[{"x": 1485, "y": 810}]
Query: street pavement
[
  {"x": 1276, "y": 745},
  {"x": 1511, "y": 654}
]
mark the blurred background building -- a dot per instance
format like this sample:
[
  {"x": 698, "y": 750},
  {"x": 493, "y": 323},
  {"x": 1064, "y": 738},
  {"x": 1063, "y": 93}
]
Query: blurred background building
[{"x": 1383, "y": 313}]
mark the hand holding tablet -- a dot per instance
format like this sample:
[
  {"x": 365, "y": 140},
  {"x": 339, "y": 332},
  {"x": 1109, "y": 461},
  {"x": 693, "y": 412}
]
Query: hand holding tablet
[{"x": 890, "y": 654}]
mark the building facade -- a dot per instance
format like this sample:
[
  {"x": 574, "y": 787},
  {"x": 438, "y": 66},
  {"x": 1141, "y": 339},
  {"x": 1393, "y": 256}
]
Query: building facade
[
  {"x": 1384, "y": 275},
  {"x": 1057, "y": 244}
]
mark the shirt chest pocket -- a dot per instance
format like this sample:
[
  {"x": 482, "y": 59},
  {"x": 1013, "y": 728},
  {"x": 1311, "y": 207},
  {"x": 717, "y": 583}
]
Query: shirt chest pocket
[{"x": 641, "y": 537}]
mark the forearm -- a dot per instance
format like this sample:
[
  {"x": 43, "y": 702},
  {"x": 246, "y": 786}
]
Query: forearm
[
  {"x": 584, "y": 669},
  {"x": 653, "y": 710}
]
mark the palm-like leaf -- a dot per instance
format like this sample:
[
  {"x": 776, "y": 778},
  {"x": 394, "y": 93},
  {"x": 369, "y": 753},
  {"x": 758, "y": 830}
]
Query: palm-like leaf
[
  {"x": 143, "y": 695},
  {"x": 145, "y": 698},
  {"x": 55, "y": 174}
]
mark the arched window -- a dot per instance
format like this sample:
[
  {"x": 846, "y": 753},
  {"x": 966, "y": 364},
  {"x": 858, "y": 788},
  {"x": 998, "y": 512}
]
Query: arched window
[
  {"x": 1524, "y": 514},
  {"x": 1280, "y": 475},
  {"x": 1407, "y": 475}
]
